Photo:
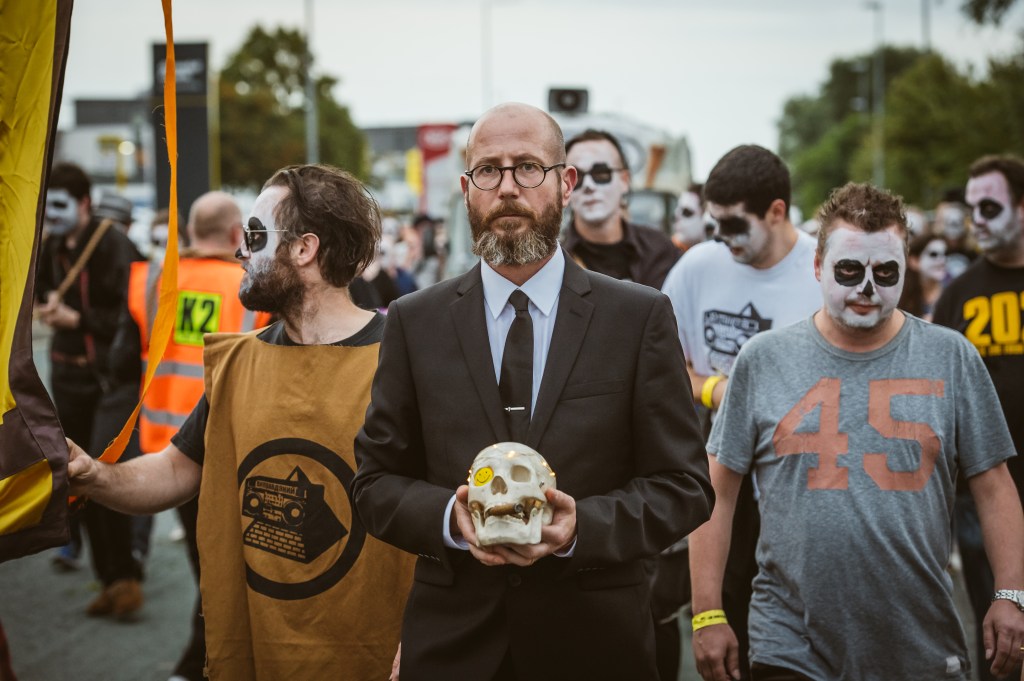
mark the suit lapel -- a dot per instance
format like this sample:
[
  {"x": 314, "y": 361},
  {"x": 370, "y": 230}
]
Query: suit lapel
[
  {"x": 574, "y": 313},
  {"x": 468, "y": 318}
]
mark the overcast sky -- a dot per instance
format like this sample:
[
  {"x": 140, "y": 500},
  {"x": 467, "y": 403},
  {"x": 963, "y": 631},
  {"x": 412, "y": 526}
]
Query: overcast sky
[{"x": 717, "y": 72}]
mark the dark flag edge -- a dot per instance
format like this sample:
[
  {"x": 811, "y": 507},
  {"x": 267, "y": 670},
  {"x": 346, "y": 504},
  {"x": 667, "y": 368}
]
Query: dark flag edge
[{"x": 33, "y": 452}]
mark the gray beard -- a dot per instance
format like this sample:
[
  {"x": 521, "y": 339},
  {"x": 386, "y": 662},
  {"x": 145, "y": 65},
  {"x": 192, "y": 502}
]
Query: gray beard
[
  {"x": 498, "y": 247},
  {"x": 496, "y": 250}
]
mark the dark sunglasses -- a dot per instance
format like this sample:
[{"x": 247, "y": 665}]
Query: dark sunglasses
[
  {"x": 687, "y": 212},
  {"x": 255, "y": 235},
  {"x": 600, "y": 174}
]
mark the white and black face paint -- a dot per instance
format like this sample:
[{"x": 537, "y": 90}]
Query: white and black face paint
[
  {"x": 688, "y": 219},
  {"x": 602, "y": 186},
  {"x": 744, "y": 234},
  {"x": 952, "y": 221},
  {"x": 932, "y": 261},
  {"x": 997, "y": 224},
  {"x": 862, "y": 276},
  {"x": 61, "y": 211}
]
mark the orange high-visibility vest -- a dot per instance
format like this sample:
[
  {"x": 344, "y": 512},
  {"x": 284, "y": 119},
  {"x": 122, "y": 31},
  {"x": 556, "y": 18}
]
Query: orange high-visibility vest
[{"x": 208, "y": 303}]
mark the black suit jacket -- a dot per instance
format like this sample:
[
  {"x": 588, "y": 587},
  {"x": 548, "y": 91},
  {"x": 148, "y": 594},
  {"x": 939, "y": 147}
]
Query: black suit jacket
[{"x": 614, "y": 419}]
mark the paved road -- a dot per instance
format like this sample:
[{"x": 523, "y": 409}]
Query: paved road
[{"x": 51, "y": 639}]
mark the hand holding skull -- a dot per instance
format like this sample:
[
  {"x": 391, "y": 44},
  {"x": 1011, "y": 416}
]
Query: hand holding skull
[{"x": 511, "y": 513}]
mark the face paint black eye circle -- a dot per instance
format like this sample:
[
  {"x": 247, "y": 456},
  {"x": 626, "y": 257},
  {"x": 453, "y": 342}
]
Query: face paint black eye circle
[
  {"x": 886, "y": 274},
  {"x": 989, "y": 209},
  {"x": 848, "y": 272},
  {"x": 733, "y": 226}
]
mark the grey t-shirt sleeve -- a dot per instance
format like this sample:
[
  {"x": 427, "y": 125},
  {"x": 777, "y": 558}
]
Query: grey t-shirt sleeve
[
  {"x": 983, "y": 439},
  {"x": 734, "y": 435}
]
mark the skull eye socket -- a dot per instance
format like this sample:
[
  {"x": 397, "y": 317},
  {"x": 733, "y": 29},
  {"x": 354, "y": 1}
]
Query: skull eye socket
[{"x": 521, "y": 474}]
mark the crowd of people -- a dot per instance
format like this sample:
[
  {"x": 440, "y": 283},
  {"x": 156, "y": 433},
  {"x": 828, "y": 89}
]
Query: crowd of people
[{"x": 776, "y": 432}]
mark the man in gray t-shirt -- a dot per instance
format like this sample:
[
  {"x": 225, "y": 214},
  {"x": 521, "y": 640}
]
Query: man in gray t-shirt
[{"x": 855, "y": 423}]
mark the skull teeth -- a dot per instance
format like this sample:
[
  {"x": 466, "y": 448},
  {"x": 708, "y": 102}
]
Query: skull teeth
[{"x": 521, "y": 510}]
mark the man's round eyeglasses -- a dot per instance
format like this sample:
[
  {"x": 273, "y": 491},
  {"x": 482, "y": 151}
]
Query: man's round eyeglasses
[{"x": 526, "y": 174}]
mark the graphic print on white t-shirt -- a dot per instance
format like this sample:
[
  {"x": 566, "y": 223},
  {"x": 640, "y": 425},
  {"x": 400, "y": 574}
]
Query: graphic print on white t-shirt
[{"x": 725, "y": 333}]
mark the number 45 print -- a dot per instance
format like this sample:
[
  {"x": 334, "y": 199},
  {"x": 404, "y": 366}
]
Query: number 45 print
[{"x": 829, "y": 443}]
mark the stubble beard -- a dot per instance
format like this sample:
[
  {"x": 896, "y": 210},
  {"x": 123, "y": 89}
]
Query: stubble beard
[
  {"x": 499, "y": 246},
  {"x": 275, "y": 288}
]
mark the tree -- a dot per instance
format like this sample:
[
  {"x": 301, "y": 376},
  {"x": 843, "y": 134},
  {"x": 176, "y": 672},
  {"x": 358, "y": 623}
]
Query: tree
[
  {"x": 929, "y": 134},
  {"x": 819, "y": 135},
  {"x": 987, "y": 11},
  {"x": 262, "y": 120}
]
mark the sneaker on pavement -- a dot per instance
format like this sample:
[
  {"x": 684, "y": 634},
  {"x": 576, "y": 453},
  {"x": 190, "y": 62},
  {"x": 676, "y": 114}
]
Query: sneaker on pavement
[
  {"x": 127, "y": 598},
  {"x": 101, "y": 605}
]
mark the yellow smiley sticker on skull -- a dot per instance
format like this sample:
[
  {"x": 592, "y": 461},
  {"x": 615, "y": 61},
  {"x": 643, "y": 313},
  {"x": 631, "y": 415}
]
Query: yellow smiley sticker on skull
[{"x": 483, "y": 476}]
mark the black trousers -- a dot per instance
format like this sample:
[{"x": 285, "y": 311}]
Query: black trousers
[
  {"x": 193, "y": 658},
  {"x": 92, "y": 417}
]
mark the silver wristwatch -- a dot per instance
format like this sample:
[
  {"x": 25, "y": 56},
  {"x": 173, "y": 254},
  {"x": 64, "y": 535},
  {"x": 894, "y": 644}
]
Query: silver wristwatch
[{"x": 1017, "y": 597}]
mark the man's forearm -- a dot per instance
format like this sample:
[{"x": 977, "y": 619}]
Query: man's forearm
[
  {"x": 147, "y": 484},
  {"x": 698, "y": 383},
  {"x": 1002, "y": 525},
  {"x": 709, "y": 543}
]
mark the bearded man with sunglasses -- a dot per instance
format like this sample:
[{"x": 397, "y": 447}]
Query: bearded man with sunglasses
[
  {"x": 599, "y": 237},
  {"x": 985, "y": 303},
  {"x": 594, "y": 389},
  {"x": 291, "y": 585},
  {"x": 856, "y": 421}
]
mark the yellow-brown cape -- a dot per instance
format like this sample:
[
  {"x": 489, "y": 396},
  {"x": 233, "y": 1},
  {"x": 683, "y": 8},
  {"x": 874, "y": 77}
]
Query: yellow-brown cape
[{"x": 292, "y": 586}]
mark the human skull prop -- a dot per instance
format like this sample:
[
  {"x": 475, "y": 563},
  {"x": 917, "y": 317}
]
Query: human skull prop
[{"x": 506, "y": 494}]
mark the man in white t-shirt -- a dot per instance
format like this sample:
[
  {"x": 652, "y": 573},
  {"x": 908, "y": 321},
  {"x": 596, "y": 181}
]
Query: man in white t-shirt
[{"x": 757, "y": 274}]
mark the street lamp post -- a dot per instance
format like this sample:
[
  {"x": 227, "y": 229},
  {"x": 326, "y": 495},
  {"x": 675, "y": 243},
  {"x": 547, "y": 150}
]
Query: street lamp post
[
  {"x": 878, "y": 95},
  {"x": 312, "y": 124}
]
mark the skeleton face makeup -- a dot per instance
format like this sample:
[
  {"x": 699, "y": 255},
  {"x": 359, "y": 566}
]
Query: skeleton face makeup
[
  {"x": 61, "y": 211},
  {"x": 271, "y": 281},
  {"x": 932, "y": 261},
  {"x": 688, "y": 222},
  {"x": 745, "y": 234},
  {"x": 997, "y": 222},
  {"x": 862, "y": 275},
  {"x": 593, "y": 202}
]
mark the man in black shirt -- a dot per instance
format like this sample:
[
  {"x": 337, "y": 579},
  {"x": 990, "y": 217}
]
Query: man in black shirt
[
  {"x": 599, "y": 237},
  {"x": 985, "y": 304},
  {"x": 83, "y": 284}
]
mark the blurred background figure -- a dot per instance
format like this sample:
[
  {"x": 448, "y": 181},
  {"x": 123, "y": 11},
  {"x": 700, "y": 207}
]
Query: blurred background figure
[
  {"x": 599, "y": 237},
  {"x": 917, "y": 221},
  {"x": 428, "y": 234},
  {"x": 926, "y": 275},
  {"x": 951, "y": 223},
  {"x": 688, "y": 224},
  {"x": 82, "y": 286}
]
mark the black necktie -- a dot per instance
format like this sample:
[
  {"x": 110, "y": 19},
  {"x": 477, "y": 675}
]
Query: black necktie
[{"x": 516, "y": 384}]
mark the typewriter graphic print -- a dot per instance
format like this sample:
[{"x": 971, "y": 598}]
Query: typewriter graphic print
[{"x": 291, "y": 519}]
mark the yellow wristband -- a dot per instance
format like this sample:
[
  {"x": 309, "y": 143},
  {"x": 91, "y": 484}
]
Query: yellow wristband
[
  {"x": 707, "y": 618},
  {"x": 708, "y": 391}
]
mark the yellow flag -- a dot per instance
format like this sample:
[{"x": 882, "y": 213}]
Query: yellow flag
[{"x": 33, "y": 454}]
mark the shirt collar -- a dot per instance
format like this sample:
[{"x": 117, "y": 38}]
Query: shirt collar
[{"x": 542, "y": 288}]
